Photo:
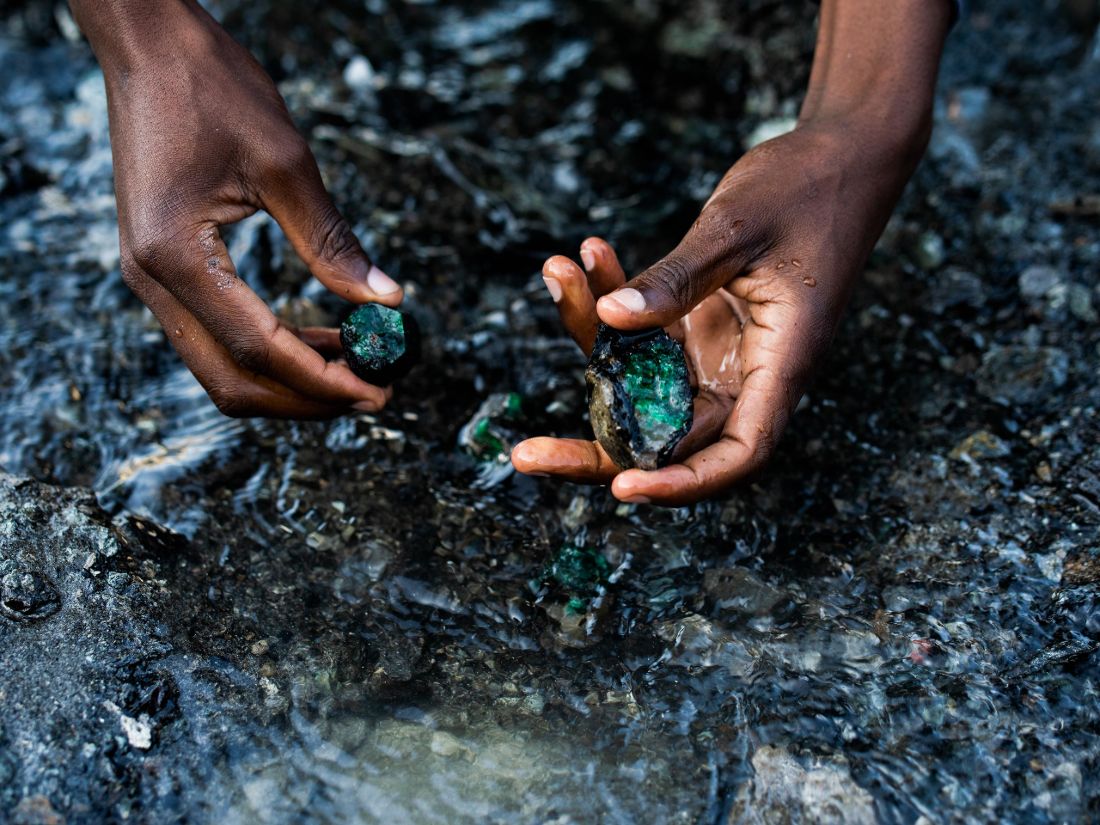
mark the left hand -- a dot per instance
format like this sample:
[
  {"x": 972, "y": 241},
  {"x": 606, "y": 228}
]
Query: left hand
[{"x": 754, "y": 292}]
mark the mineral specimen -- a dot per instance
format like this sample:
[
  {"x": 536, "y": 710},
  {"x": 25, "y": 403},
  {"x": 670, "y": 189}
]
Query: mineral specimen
[
  {"x": 581, "y": 572},
  {"x": 490, "y": 435},
  {"x": 381, "y": 344},
  {"x": 639, "y": 396}
]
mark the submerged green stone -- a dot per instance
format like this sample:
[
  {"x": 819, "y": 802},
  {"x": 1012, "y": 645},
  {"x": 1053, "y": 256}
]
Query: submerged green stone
[
  {"x": 380, "y": 344},
  {"x": 639, "y": 396},
  {"x": 490, "y": 435},
  {"x": 580, "y": 570}
]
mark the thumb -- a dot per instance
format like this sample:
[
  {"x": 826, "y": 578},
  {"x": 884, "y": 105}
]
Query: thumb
[
  {"x": 298, "y": 200},
  {"x": 715, "y": 251}
]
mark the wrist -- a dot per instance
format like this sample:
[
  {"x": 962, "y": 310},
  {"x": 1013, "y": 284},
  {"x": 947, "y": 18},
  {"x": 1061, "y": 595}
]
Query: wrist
[
  {"x": 874, "y": 72},
  {"x": 128, "y": 34},
  {"x": 891, "y": 134}
]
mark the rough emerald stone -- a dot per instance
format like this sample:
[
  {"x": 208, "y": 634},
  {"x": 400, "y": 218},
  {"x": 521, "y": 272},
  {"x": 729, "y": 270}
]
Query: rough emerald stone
[
  {"x": 490, "y": 435},
  {"x": 639, "y": 396},
  {"x": 381, "y": 344},
  {"x": 580, "y": 570}
]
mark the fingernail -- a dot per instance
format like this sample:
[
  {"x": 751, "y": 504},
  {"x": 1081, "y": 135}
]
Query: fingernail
[
  {"x": 636, "y": 500},
  {"x": 538, "y": 475},
  {"x": 628, "y": 299},
  {"x": 588, "y": 259},
  {"x": 365, "y": 406},
  {"x": 380, "y": 283},
  {"x": 553, "y": 286}
]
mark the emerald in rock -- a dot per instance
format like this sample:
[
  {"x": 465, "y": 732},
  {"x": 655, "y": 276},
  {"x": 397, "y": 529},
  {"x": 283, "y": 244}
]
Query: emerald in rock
[
  {"x": 581, "y": 570},
  {"x": 380, "y": 344},
  {"x": 639, "y": 396}
]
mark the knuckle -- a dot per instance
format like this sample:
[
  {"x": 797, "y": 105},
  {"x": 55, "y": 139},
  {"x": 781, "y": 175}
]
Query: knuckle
[
  {"x": 230, "y": 402},
  {"x": 288, "y": 156},
  {"x": 672, "y": 279},
  {"x": 332, "y": 236},
  {"x": 252, "y": 351},
  {"x": 132, "y": 274},
  {"x": 148, "y": 248}
]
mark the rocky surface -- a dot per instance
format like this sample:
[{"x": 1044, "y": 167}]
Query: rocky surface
[{"x": 339, "y": 621}]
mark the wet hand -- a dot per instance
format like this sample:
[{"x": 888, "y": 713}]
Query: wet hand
[
  {"x": 201, "y": 139},
  {"x": 754, "y": 292}
]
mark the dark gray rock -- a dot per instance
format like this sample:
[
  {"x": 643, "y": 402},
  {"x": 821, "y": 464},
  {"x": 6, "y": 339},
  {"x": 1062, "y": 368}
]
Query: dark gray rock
[{"x": 1022, "y": 374}]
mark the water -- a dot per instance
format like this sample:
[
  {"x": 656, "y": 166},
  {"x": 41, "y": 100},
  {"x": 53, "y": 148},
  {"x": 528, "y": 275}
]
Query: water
[{"x": 898, "y": 621}]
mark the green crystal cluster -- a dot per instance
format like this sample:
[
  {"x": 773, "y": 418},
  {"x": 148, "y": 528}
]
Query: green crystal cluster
[
  {"x": 580, "y": 571},
  {"x": 639, "y": 396},
  {"x": 489, "y": 435},
  {"x": 380, "y": 344}
]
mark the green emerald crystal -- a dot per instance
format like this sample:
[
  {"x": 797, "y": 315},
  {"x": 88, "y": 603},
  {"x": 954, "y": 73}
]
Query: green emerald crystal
[
  {"x": 579, "y": 570},
  {"x": 639, "y": 396},
  {"x": 380, "y": 344}
]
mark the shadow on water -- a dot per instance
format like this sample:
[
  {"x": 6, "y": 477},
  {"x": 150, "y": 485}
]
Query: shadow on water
[{"x": 358, "y": 622}]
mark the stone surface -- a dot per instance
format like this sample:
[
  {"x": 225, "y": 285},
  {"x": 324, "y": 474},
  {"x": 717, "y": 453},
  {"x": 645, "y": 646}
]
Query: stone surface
[
  {"x": 784, "y": 792},
  {"x": 639, "y": 396},
  {"x": 490, "y": 435},
  {"x": 1022, "y": 374},
  {"x": 380, "y": 344}
]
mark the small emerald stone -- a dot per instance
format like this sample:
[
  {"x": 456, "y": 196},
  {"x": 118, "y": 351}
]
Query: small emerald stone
[
  {"x": 580, "y": 570},
  {"x": 639, "y": 396},
  {"x": 380, "y": 344}
]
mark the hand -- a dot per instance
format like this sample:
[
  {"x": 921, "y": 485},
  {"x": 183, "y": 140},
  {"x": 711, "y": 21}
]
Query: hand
[
  {"x": 754, "y": 292},
  {"x": 756, "y": 288},
  {"x": 201, "y": 138}
]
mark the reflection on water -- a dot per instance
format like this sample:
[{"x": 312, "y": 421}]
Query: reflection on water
[{"x": 880, "y": 629}]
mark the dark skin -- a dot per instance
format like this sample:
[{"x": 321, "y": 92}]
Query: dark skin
[{"x": 201, "y": 139}]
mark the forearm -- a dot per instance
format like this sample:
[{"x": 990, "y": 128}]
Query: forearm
[{"x": 875, "y": 68}]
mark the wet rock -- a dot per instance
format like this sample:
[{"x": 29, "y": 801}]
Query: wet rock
[
  {"x": 1082, "y": 567},
  {"x": 381, "y": 344},
  {"x": 737, "y": 590},
  {"x": 982, "y": 444},
  {"x": 695, "y": 641},
  {"x": 956, "y": 287},
  {"x": 490, "y": 435},
  {"x": 82, "y": 662},
  {"x": 1036, "y": 282},
  {"x": 580, "y": 570},
  {"x": 639, "y": 396},
  {"x": 930, "y": 252},
  {"x": 1079, "y": 302},
  {"x": 26, "y": 596},
  {"x": 784, "y": 792},
  {"x": 36, "y": 810},
  {"x": 1022, "y": 374}
]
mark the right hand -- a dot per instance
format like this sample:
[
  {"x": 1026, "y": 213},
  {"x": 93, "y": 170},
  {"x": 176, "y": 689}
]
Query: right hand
[{"x": 201, "y": 138}]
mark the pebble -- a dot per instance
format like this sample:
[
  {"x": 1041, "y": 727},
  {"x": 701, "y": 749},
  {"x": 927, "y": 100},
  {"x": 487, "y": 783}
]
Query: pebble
[
  {"x": 782, "y": 790},
  {"x": 1022, "y": 374}
]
